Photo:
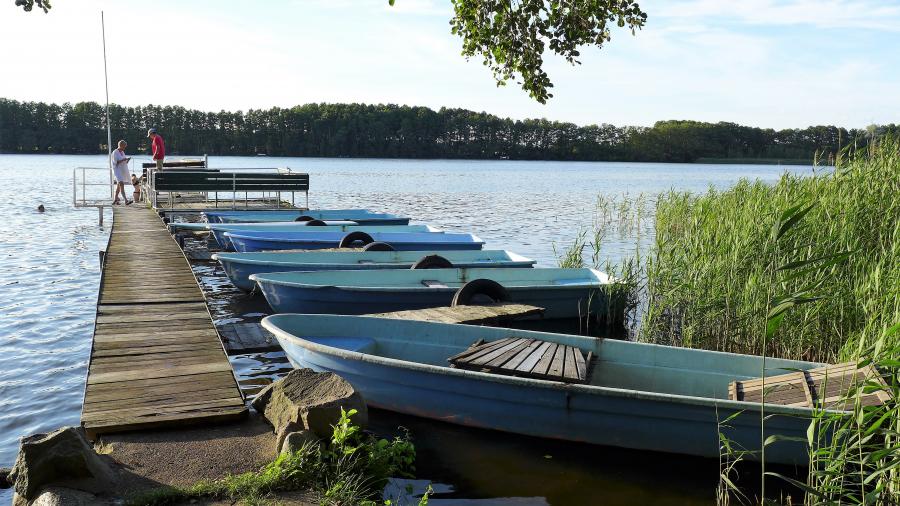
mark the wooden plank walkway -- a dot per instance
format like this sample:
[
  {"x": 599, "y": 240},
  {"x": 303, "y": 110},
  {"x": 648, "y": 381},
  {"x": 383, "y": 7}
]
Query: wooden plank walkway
[
  {"x": 487, "y": 314},
  {"x": 156, "y": 359}
]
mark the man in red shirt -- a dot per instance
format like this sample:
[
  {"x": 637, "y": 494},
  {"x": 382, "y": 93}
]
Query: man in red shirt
[{"x": 158, "y": 147}]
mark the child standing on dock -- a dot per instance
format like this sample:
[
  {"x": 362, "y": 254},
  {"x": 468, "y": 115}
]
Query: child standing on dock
[{"x": 120, "y": 169}]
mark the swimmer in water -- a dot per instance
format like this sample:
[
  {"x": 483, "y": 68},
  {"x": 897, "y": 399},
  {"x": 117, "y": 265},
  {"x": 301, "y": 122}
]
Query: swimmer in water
[{"x": 41, "y": 208}]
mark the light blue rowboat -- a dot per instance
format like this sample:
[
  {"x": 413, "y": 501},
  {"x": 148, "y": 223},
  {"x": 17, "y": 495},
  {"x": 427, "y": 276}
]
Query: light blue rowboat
[
  {"x": 639, "y": 396},
  {"x": 361, "y": 216},
  {"x": 239, "y": 266},
  {"x": 218, "y": 229},
  {"x": 254, "y": 240},
  {"x": 563, "y": 293}
]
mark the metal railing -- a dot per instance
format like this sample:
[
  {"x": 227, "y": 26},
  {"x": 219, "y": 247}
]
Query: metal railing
[
  {"x": 88, "y": 181},
  {"x": 263, "y": 196},
  {"x": 85, "y": 182}
]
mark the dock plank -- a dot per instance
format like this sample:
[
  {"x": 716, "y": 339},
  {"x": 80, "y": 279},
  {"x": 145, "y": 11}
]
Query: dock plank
[
  {"x": 156, "y": 358},
  {"x": 487, "y": 314}
]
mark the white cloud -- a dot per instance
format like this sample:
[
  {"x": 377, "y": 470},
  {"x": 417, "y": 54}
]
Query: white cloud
[{"x": 879, "y": 15}]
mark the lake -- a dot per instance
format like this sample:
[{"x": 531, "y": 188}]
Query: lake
[{"x": 50, "y": 290}]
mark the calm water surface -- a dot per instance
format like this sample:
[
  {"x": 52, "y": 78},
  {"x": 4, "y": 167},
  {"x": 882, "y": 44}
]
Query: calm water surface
[{"x": 52, "y": 272}]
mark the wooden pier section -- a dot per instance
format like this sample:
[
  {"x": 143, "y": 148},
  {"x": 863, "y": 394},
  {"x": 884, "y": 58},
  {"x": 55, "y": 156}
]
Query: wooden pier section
[
  {"x": 156, "y": 358},
  {"x": 484, "y": 314}
]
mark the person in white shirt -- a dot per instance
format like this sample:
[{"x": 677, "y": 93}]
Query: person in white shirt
[{"x": 120, "y": 169}]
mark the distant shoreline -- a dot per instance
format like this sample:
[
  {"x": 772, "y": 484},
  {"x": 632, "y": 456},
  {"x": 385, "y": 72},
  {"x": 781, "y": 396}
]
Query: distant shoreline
[
  {"x": 699, "y": 161},
  {"x": 408, "y": 132}
]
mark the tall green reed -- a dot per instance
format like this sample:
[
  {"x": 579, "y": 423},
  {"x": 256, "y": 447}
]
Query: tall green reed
[
  {"x": 708, "y": 271},
  {"x": 795, "y": 272},
  {"x": 624, "y": 217}
]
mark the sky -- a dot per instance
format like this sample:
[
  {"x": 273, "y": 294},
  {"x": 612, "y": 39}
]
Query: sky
[{"x": 767, "y": 63}]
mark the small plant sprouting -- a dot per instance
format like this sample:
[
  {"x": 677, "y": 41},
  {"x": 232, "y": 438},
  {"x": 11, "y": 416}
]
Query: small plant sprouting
[{"x": 353, "y": 467}]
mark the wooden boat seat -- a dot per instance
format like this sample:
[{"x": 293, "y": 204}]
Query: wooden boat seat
[
  {"x": 821, "y": 387},
  {"x": 532, "y": 358}
]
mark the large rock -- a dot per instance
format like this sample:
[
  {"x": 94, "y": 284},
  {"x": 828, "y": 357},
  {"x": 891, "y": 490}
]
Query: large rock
[
  {"x": 305, "y": 399},
  {"x": 294, "y": 441},
  {"x": 5, "y": 482},
  {"x": 61, "y": 457},
  {"x": 59, "y": 496}
]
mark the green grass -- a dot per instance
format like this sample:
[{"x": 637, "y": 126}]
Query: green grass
[{"x": 709, "y": 270}]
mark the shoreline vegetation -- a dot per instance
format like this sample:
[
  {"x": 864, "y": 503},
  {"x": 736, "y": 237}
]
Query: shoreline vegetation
[
  {"x": 806, "y": 269},
  {"x": 710, "y": 278},
  {"x": 392, "y": 131},
  {"x": 352, "y": 467}
]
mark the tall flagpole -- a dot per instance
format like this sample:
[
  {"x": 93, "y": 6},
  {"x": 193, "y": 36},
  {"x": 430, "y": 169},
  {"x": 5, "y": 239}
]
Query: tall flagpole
[{"x": 106, "y": 83}]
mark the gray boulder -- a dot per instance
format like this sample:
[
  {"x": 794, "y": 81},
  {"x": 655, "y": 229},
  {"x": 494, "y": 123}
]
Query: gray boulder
[
  {"x": 60, "y": 457},
  {"x": 294, "y": 441},
  {"x": 59, "y": 496},
  {"x": 305, "y": 399}
]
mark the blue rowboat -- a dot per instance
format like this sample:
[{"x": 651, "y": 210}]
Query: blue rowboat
[
  {"x": 640, "y": 396},
  {"x": 218, "y": 229},
  {"x": 239, "y": 266},
  {"x": 254, "y": 240},
  {"x": 563, "y": 293},
  {"x": 361, "y": 216}
]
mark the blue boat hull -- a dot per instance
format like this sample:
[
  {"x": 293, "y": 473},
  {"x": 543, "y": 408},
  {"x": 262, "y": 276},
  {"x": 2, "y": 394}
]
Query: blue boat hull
[
  {"x": 251, "y": 229},
  {"x": 582, "y": 413},
  {"x": 247, "y": 245},
  {"x": 372, "y": 222},
  {"x": 568, "y": 303},
  {"x": 240, "y": 272},
  {"x": 361, "y": 216}
]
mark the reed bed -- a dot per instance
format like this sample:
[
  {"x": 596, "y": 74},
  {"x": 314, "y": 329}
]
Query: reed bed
[
  {"x": 808, "y": 269},
  {"x": 714, "y": 266}
]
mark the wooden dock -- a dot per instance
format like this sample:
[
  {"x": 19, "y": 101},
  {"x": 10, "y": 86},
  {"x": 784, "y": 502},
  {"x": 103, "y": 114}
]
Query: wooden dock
[
  {"x": 156, "y": 359},
  {"x": 253, "y": 338},
  {"x": 486, "y": 314}
]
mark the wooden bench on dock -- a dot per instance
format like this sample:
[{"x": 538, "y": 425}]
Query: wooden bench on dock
[
  {"x": 531, "y": 358},
  {"x": 204, "y": 182}
]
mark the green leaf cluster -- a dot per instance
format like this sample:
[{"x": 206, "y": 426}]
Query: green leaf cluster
[
  {"x": 28, "y": 5},
  {"x": 512, "y": 36}
]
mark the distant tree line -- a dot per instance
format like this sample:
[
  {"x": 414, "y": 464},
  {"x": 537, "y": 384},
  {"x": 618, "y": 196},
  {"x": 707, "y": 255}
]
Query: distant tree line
[{"x": 392, "y": 131}]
